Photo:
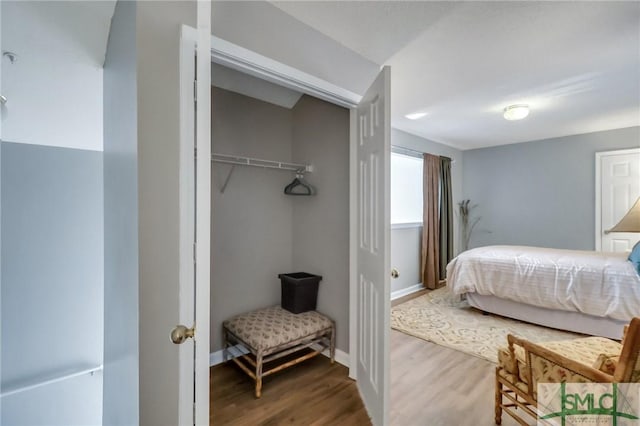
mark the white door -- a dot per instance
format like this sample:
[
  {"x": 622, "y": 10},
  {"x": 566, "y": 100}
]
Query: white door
[
  {"x": 195, "y": 202},
  {"x": 187, "y": 288},
  {"x": 373, "y": 154},
  {"x": 203, "y": 215},
  {"x": 617, "y": 188}
]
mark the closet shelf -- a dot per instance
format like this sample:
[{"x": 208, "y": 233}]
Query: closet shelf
[
  {"x": 238, "y": 160},
  {"x": 257, "y": 162}
]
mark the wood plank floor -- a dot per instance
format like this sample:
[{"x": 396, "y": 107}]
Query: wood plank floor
[
  {"x": 312, "y": 393},
  {"x": 430, "y": 386},
  {"x": 436, "y": 386}
]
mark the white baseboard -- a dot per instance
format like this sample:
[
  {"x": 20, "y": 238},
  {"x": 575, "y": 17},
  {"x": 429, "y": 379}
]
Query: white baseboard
[
  {"x": 405, "y": 291},
  {"x": 216, "y": 358},
  {"x": 340, "y": 357}
]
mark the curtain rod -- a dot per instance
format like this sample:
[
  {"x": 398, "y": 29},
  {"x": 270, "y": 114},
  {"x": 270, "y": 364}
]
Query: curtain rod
[{"x": 412, "y": 152}]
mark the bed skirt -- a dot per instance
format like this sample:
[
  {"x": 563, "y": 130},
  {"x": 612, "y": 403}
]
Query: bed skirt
[{"x": 562, "y": 320}]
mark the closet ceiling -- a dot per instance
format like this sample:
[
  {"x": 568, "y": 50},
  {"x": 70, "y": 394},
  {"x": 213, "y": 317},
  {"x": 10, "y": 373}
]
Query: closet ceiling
[
  {"x": 245, "y": 84},
  {"x": 577, "y": 64}
]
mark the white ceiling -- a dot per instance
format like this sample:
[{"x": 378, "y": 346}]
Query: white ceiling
[
  {"x": 58, "y": 28},
  {"x": 57, "y": 78},
  {"x": 577, "y": 64}
]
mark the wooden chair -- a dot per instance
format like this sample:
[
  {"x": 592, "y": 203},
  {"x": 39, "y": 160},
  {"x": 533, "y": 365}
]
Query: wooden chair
[{"x": 523, "y": 364}]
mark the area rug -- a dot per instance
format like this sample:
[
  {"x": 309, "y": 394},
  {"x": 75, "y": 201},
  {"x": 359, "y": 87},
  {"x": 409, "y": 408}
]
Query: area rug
[{"x": 444, "y": 319}]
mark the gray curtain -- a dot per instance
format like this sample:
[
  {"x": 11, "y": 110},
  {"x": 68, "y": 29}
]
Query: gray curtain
[
  {"x": 446, "y": 216},
  {"x": 430, "y": 253}
]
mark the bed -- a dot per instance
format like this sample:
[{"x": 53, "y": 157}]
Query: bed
[{"x": 583, "y": 291}]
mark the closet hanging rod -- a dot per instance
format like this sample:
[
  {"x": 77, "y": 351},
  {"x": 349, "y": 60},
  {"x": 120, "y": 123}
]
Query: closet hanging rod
[
  {"x": 239, "y": 160},
  {"x": 410, "y": 152}
]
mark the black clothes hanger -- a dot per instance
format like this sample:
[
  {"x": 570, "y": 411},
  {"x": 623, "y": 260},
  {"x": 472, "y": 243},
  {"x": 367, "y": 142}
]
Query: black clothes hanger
[{"x": 299, "y": 187}]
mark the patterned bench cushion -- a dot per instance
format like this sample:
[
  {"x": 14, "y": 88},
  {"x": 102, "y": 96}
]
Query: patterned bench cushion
[
  {"x": 584, "y": 350},
  {"x": 271, "y": 327}
]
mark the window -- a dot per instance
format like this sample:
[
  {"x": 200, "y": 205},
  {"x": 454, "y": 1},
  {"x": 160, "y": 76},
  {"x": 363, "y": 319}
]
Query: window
[{"x": 406, "y": 189}]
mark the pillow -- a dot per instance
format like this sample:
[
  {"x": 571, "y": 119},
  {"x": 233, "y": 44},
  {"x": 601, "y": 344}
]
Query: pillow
[
  {"x": 634, "y": 256},
  {"x": 606, "y": 363}
]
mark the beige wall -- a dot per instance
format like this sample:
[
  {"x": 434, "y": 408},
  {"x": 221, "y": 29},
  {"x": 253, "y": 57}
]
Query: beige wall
[
  {"x": 257, "y": 231},
  {"x": 265, "y": 29},
  {"x": 158, "y": 47},
  {"x": 251, "y": 232},
  {"x": 321, "y": 222}
]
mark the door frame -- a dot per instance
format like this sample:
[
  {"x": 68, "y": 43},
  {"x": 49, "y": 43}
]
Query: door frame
[
  {"x": 598, "y": 186},
  {"x": 203, "y": 214},
  {"x": 188, "y": 43},
  {"x": 249, "y": 62}
]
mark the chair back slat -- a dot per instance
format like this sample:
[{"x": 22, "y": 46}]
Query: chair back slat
[{"x": 628, "y": 369}]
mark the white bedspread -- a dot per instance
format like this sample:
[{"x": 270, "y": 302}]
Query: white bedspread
[{"x": 594, "y": 283}]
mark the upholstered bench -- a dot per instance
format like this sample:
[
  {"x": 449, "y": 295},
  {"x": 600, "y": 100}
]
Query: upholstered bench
[{"x": 272, "y": 333}]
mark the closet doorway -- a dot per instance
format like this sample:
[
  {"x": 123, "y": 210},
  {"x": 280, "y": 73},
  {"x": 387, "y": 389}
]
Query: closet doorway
[
  {"x": 341, "y": 232},
  {"x": 264, "y": 137}
]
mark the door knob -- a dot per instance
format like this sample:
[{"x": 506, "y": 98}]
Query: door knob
[
  {"x": 394, "y": 273},
  {"x": 180, "y": 333}
]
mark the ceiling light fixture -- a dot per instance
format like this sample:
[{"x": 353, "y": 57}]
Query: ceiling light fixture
[
  {"x": 516, "y": 112},
  {"x": 416, "y": 115}
]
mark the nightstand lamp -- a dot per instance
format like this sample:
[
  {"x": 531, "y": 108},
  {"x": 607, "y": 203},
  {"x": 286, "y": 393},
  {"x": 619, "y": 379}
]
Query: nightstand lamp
[{"x": 630, "y": 222}]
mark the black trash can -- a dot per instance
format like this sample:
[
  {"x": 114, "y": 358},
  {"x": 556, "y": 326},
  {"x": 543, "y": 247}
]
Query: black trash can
[{"x": 299, "y": 291}]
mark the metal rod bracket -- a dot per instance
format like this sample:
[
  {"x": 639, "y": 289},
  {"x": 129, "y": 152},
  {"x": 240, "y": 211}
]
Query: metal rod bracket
[{"x": 226, "y": 181}]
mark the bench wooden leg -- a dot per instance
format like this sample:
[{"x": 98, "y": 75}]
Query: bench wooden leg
[
  {"x": 332, "y": 349},
  {"x": 259, "y": 375},
  {"x": 225, "y": 345}
]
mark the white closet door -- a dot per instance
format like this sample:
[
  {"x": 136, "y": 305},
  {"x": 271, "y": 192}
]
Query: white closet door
[
  {"x": 619, "y": 188},
  {"x": 373, "y": 230}
]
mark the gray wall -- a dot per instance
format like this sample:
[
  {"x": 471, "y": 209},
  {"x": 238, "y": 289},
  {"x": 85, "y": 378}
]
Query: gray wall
[
  {"x": 120, "y": 397},
  {"x": 251, "y": 230},
  {"x": 539, "y": 193},
  {"x": 405, "y": 256},
  {"x": 52, "y": 275},
  {"x": 158, "y": 52},
  {"x": 321, "y": 222},
  {"x": 405, "y": 242}
]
